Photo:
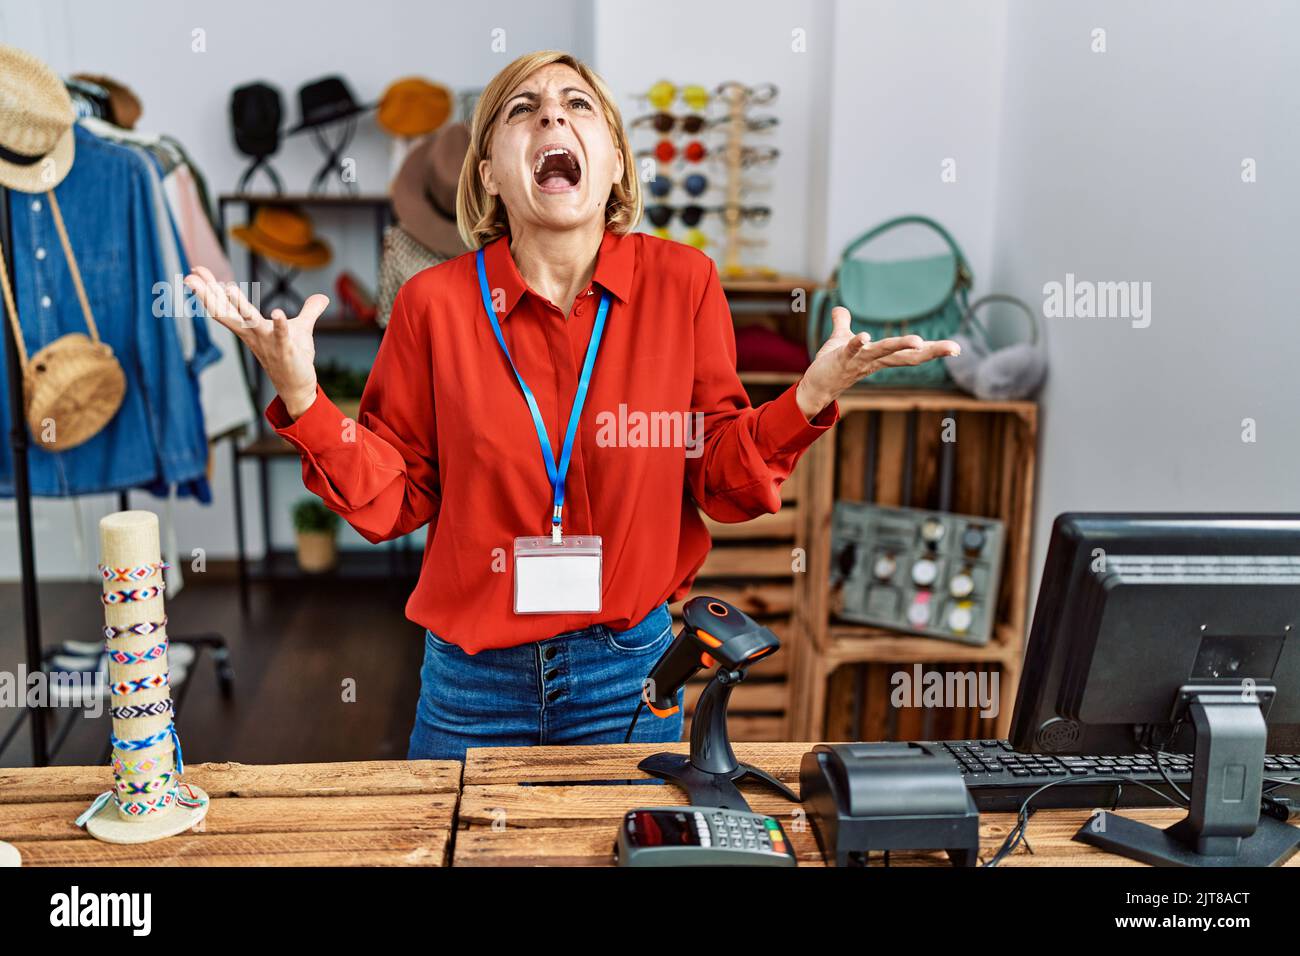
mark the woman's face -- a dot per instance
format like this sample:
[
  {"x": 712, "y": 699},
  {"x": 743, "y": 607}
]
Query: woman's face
[{"x": 552, "y": 157}]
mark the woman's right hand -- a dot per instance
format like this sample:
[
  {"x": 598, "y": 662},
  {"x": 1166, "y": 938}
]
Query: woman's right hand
[{"x": 282, "y": 346}]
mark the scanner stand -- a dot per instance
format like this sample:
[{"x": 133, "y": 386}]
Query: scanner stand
[
  {"x": 1223, "y": 826},
  {"x": 710, "y": 773}
]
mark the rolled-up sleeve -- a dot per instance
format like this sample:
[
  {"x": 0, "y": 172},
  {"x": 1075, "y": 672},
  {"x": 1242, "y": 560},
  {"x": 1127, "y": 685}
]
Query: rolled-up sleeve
[
  {"x": 747, "y": 451},
  {"x": 380, "y": 472}
]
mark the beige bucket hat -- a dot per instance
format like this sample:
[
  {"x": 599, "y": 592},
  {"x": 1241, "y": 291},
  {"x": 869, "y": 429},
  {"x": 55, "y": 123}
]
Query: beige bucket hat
[{"x": 36, "y": 119}]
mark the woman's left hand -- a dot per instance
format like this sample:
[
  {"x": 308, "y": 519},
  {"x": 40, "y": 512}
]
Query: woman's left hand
[{"x": 846, "y": 358}]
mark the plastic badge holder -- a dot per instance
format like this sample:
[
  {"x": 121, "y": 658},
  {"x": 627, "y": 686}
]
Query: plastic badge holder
[{"x": 555, "y": 577}]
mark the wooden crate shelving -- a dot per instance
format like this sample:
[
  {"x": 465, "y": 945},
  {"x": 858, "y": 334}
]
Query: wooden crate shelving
[
  {"x": 840, "y": 672},
  {"x": 751, "y": 566}
]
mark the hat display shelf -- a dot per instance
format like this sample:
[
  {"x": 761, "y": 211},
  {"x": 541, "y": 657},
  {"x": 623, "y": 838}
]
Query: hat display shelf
[
  {"x": 149, "y": 799},
  {"x": 341, "y": 134},
  {"x": 263, "y": 447}
]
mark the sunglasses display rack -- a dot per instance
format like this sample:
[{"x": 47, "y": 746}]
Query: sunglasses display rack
[{"x": 718, "y": 152}]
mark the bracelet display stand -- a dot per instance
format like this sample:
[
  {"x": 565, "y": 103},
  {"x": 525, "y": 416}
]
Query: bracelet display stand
[{"x": 148, "y": 800}]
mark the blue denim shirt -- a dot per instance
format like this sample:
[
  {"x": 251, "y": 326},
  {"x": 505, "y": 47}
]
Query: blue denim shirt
[{"x": 157, "y": 437}]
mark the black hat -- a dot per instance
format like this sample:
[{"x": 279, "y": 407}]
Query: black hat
[
  {"x": 326, "y": 101},
  {"x": 255, "y": 112}
]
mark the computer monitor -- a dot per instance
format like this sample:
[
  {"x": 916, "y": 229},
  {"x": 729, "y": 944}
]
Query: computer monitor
[{"x": 1180, "y": 633}]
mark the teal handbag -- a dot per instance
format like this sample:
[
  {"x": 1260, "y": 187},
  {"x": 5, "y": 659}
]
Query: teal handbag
[{"x": 925, "y": 297}]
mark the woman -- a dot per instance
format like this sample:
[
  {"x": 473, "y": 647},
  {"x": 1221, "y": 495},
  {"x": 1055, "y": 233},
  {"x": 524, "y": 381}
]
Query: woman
[{"x": 484, "y": 359}]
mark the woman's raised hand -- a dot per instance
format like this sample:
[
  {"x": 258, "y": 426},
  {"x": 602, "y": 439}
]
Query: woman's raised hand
[
  {"x": 845, "y": 358},
  {"x": 282, "y": 346}
]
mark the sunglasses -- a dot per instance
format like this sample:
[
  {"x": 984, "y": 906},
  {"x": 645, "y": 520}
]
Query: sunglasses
[
  {"x": 661, "y": 215},
  {"x": 667, "y": 122},
  {"x": 747, "y": 94},
  {"x": 757, "y": 215},
  {"x": 666, "y": 151},
  {"x": 662, "y": 94},
  {"x": 696, "y": 184},
  {"x": 692, "y": 123}
]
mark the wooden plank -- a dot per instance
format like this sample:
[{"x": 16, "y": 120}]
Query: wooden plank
[
  {"x": 851, "y": 457},
  {"x": 245, "y": 815},
  {"x": 771, "y": 728},
  {"x": 395, "y": 847},
  {"x": 903, "y": 400},
  {"x": 862, "y": 643},
  {"x": 751, "y": 696},
  {"x": 889, "y": 461},
  {"x": 42, "y": 784},
  {"x": 759, "y": 599},
  {"x": 488, "y": 765},
  {"x": 779, "y": 525},
  {"x": 771, "y": 561}
]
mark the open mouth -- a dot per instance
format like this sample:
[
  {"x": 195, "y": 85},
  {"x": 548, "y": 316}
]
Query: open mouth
[{"x": 556, "y": 169}]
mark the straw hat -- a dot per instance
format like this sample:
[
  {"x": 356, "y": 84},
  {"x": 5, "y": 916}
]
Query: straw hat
[
  {"x": 36, "y": 118},
  {"x": 424, "y": 192},
  {"x": 413, "y": 106},
  {"x": 284, "y": 234}
]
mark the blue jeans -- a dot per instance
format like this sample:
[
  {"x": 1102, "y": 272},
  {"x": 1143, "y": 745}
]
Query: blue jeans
[{"x": 579, "y": 687}]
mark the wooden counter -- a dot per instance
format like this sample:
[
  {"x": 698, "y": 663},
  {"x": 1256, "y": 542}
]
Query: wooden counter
[
  {"x": 375, "y": 813},
  {"x": 508, "y": 818},
  {"x": 518, "y": 806}
]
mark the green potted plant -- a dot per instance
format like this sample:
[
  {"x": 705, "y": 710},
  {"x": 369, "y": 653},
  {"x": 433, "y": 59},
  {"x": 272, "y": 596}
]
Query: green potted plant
[{"x": 315, "y": 526}]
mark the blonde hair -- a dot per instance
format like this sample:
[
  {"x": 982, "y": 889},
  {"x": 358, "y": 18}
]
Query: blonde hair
[{"x": 481, "y": 217}]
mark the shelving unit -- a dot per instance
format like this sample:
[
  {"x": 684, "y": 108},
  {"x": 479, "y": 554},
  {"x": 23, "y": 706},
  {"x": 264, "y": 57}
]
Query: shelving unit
[
  {"x": 751, "y": 564},
  {"x": 889, "y": 450},
  {"x": 265, "y": 446}
]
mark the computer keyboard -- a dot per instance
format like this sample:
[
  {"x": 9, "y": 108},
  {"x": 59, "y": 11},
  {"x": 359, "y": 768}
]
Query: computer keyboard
[{"x": 999, "y": 778}]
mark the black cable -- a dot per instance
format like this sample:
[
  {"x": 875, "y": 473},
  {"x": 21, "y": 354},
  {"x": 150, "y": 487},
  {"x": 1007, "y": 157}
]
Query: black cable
[
  {"x": 1160, "y": 751},
  {"x": 1017, "y": 834},
  {"x": 635, "y": 714}
]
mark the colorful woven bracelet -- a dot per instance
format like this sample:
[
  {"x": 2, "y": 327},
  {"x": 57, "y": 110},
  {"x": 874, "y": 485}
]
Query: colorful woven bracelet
[
  {"x": 131, "y": 788},
  {"x": 129, "y": 595},
  {"x": 180, "y": 794},
  {"x": 132, "y": 574},
  {"x": 152, "y": 682},
  {"x": 142, "y": 657},
  {"x": 121, "y": 767},
  {"x": 144, "y": 743},
  {"x": 143, "y": 628},
  {"x": 132, "y": 711}
]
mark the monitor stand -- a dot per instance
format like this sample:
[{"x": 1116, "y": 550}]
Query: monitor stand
[{"x": 1223, "y": 826}]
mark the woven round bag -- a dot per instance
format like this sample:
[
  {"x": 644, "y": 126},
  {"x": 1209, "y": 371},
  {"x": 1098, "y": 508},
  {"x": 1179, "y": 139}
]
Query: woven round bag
[{"x": 73, "y": 386}]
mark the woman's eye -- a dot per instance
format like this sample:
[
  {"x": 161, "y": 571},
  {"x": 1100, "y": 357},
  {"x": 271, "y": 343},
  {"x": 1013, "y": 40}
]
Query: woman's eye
[
  {"x": 576, "y": 102},
  {"x": 514, "y": 111}
]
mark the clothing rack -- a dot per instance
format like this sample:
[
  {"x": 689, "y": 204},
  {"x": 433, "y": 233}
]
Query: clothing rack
[
  {"x": 23, "y": 495},
  {"x": 18, "y": 442}
]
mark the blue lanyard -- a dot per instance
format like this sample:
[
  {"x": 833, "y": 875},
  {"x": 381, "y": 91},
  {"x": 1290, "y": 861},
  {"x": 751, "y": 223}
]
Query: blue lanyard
[{"x": 555, "y": 473}]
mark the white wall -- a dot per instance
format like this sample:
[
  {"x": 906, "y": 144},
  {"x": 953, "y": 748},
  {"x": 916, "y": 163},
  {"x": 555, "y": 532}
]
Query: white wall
[
  {"x": 786, "y": 42},
  {"x": 1126, "y": 165},
  {"x": 913, "y": 83}
]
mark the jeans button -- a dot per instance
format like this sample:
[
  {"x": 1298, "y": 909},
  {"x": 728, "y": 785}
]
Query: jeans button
[
  {"x": 549, "y": 653},
  {"x": 553, "y": 696},
  {"x": 551, "y": 674}
]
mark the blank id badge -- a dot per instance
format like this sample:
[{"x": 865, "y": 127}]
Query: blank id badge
[{"x": 557, "y": 576}]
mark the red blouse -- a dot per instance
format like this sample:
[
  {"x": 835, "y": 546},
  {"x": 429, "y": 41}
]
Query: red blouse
[{"x": 445, "y": 437}]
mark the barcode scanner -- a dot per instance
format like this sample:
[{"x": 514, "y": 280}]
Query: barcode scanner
[{"x": 714, "y": 634}]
